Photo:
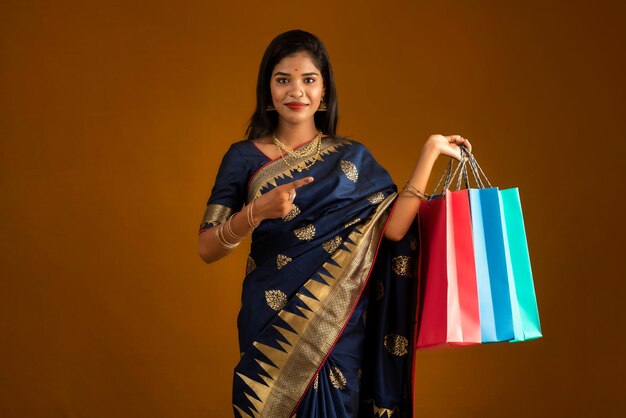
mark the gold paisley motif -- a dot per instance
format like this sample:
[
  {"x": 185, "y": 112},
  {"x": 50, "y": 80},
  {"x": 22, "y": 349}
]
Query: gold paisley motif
[
  {"x": 337, "y": 379},
  {"x": 376, "y": 198},
  {"x": 316, "y": 382},
  {"x": 380, "y": 290},
  {"x": 250, "y": 265},
  {"x": 396, "y": 344},
  {"x": 402, "y": 265},
  {"x": 350, "y": 170},
  {"x": 352, "y": 222},
  {"x": 306, "y": 233},
  {"x": 332, "y": 244},
  {"x": 295, "y": 211},
  {"x": 276, "y": 299},
  {"x": 282, "y": 261}
]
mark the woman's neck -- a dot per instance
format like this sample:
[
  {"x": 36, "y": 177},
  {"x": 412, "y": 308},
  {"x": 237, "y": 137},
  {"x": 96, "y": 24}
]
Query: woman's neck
[{"x": 295, "y": 135}]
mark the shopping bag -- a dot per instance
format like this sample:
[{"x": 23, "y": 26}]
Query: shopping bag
[
  {"x": 492, "y": 276},
  {"x": 523, "y": 298},
  {"x": 500, "y": 245},
  {"x": 448, "y": 296}
]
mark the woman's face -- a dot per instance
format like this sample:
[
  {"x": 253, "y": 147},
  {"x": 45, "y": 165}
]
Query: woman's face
[{"x": 296, "y": 81}]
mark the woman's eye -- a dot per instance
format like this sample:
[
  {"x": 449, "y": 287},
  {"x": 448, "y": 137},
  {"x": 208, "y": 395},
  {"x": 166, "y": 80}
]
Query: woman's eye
[{"x": 308, "y": 80}]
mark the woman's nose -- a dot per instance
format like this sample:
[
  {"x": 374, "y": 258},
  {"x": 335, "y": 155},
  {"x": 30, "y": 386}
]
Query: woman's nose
[{"x": 296, "y": 89}]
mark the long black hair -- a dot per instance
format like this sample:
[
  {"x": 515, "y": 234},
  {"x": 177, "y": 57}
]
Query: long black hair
[{"x": 264, "y": 122}]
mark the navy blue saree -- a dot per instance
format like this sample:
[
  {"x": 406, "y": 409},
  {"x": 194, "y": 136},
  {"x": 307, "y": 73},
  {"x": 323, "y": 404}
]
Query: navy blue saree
[{"x": 326, "y": 326}]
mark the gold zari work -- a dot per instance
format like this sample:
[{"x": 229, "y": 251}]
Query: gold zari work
[
  {"x": 380, "y": 412},
  {"x": 350, "y": 170},
  {"x": 316, "y": 383},
  {"x": 282, "y": 261},
  {"x": 332, "y": 244},
  {"x": 376, "y": 198},
  {"x": 352, "y": 222},
  {"x": 306, "y": 233},
  {"x": 295, "y": 211},
  {"x": 270, "y": 174},
  {"x": 402, "y": 265},
  {"x": 250, "y": 265},
  {"x": 215, "y": 214},
  {"x": 337, "y": 379},
  {"x": 276, "y": 299},
  {"x": 274, "y": 392},
  {"x": 396, "y": 344}
]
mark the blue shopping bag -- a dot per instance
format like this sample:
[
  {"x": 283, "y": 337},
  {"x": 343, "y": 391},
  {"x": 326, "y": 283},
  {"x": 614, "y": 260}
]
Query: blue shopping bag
[{"x": 492, "y": 274}]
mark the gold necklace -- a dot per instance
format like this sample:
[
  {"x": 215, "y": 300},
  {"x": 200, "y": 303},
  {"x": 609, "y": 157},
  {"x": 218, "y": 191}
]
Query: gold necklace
[
  {"x": 305, "y": 151},
  {"x": 304, "y": 166}
]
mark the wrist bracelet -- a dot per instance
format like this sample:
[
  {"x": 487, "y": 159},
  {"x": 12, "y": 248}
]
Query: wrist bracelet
[
  {"x": 229, "y": 229},
  {"x": 414, "y": 191},
  {"x": 219, "y": 237},
  {"x": 249, "y": 215}
]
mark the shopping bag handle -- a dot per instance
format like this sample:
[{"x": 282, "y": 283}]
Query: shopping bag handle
[
  {"x": 477, "y": 171},
  {"x": 467, "y": 158},
  {"x": 449, "y": 174}
]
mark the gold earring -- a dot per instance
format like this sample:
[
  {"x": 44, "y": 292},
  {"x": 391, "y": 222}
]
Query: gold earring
[
  {"x": 269, "y": 107},
  {"x": 322, "y": 106}
]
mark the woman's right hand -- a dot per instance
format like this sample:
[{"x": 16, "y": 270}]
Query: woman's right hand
[{"x": 279, "y": 201}]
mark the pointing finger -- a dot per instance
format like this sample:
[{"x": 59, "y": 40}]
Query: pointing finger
[{"x": 299, "y": 183}]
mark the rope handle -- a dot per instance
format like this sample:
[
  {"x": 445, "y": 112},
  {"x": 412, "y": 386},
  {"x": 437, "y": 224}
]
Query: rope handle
[{"x": 467, "y": 158}]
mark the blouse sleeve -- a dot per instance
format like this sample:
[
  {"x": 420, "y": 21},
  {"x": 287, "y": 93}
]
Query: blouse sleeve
[{"x": 229, "y": 191}]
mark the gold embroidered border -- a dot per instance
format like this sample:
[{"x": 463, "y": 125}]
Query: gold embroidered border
[
  {"x": 216, "y": 214},
  {"x": 270, "y": 173},
  {"x": 319, "y": 326}
]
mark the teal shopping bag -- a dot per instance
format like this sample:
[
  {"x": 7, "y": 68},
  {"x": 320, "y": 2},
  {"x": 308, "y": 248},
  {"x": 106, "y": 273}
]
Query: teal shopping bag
[{"x": 523, "y": 298}]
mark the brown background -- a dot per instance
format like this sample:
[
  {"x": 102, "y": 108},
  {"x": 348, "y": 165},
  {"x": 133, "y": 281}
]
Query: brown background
[{"x": 113, "y": 119}]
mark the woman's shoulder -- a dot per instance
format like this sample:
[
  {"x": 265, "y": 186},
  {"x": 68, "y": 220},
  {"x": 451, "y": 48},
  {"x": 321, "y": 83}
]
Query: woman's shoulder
[
  {"x": 243, "y": 148},
  {"x": 355, "y": 145}
]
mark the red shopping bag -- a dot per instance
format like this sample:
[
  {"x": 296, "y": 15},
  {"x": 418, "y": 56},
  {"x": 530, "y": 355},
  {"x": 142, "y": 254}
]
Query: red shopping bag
[{"x": 448, "y": 311}]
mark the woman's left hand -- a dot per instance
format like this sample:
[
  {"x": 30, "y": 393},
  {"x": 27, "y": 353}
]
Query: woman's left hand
[{"x": 448, "y": 145}]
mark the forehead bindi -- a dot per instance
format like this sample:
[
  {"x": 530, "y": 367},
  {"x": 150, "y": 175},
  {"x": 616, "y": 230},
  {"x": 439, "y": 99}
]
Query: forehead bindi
[{"x": 299, "y": 64}]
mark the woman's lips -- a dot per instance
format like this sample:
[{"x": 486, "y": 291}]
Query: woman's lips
[{"x": 296, "y": 106}]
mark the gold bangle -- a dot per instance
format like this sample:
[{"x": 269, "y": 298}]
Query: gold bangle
[
  {"x": 229, "y": 229},
  {"x": 414, "y": 191},
  {"x": 250, "y": 217},
  {"x": 219, "y": 237}
]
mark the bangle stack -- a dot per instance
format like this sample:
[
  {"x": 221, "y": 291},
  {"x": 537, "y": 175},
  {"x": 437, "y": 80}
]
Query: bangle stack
[
  {"x": 249, "y": 215},
  {"x": 219, "y": 232},
  {"x": 413, "y": 191}
]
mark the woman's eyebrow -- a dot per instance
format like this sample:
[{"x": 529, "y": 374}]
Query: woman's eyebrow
[{"x": 287, "y": 74}]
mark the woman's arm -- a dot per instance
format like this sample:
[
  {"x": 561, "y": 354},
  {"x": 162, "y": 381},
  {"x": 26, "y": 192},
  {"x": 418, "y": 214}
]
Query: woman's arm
[
  {"x": 406, "y": 207},
  {"x": 273, "y": 204},
  {"x": 208, "y": 248}
]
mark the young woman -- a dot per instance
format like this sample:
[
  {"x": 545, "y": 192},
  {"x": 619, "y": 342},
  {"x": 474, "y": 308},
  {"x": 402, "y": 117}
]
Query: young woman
[{"x": 327, "y": 321}]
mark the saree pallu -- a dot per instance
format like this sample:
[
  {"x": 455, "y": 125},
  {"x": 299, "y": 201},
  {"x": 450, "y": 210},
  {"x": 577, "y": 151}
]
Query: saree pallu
[{"x": 326, "y": 326}]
